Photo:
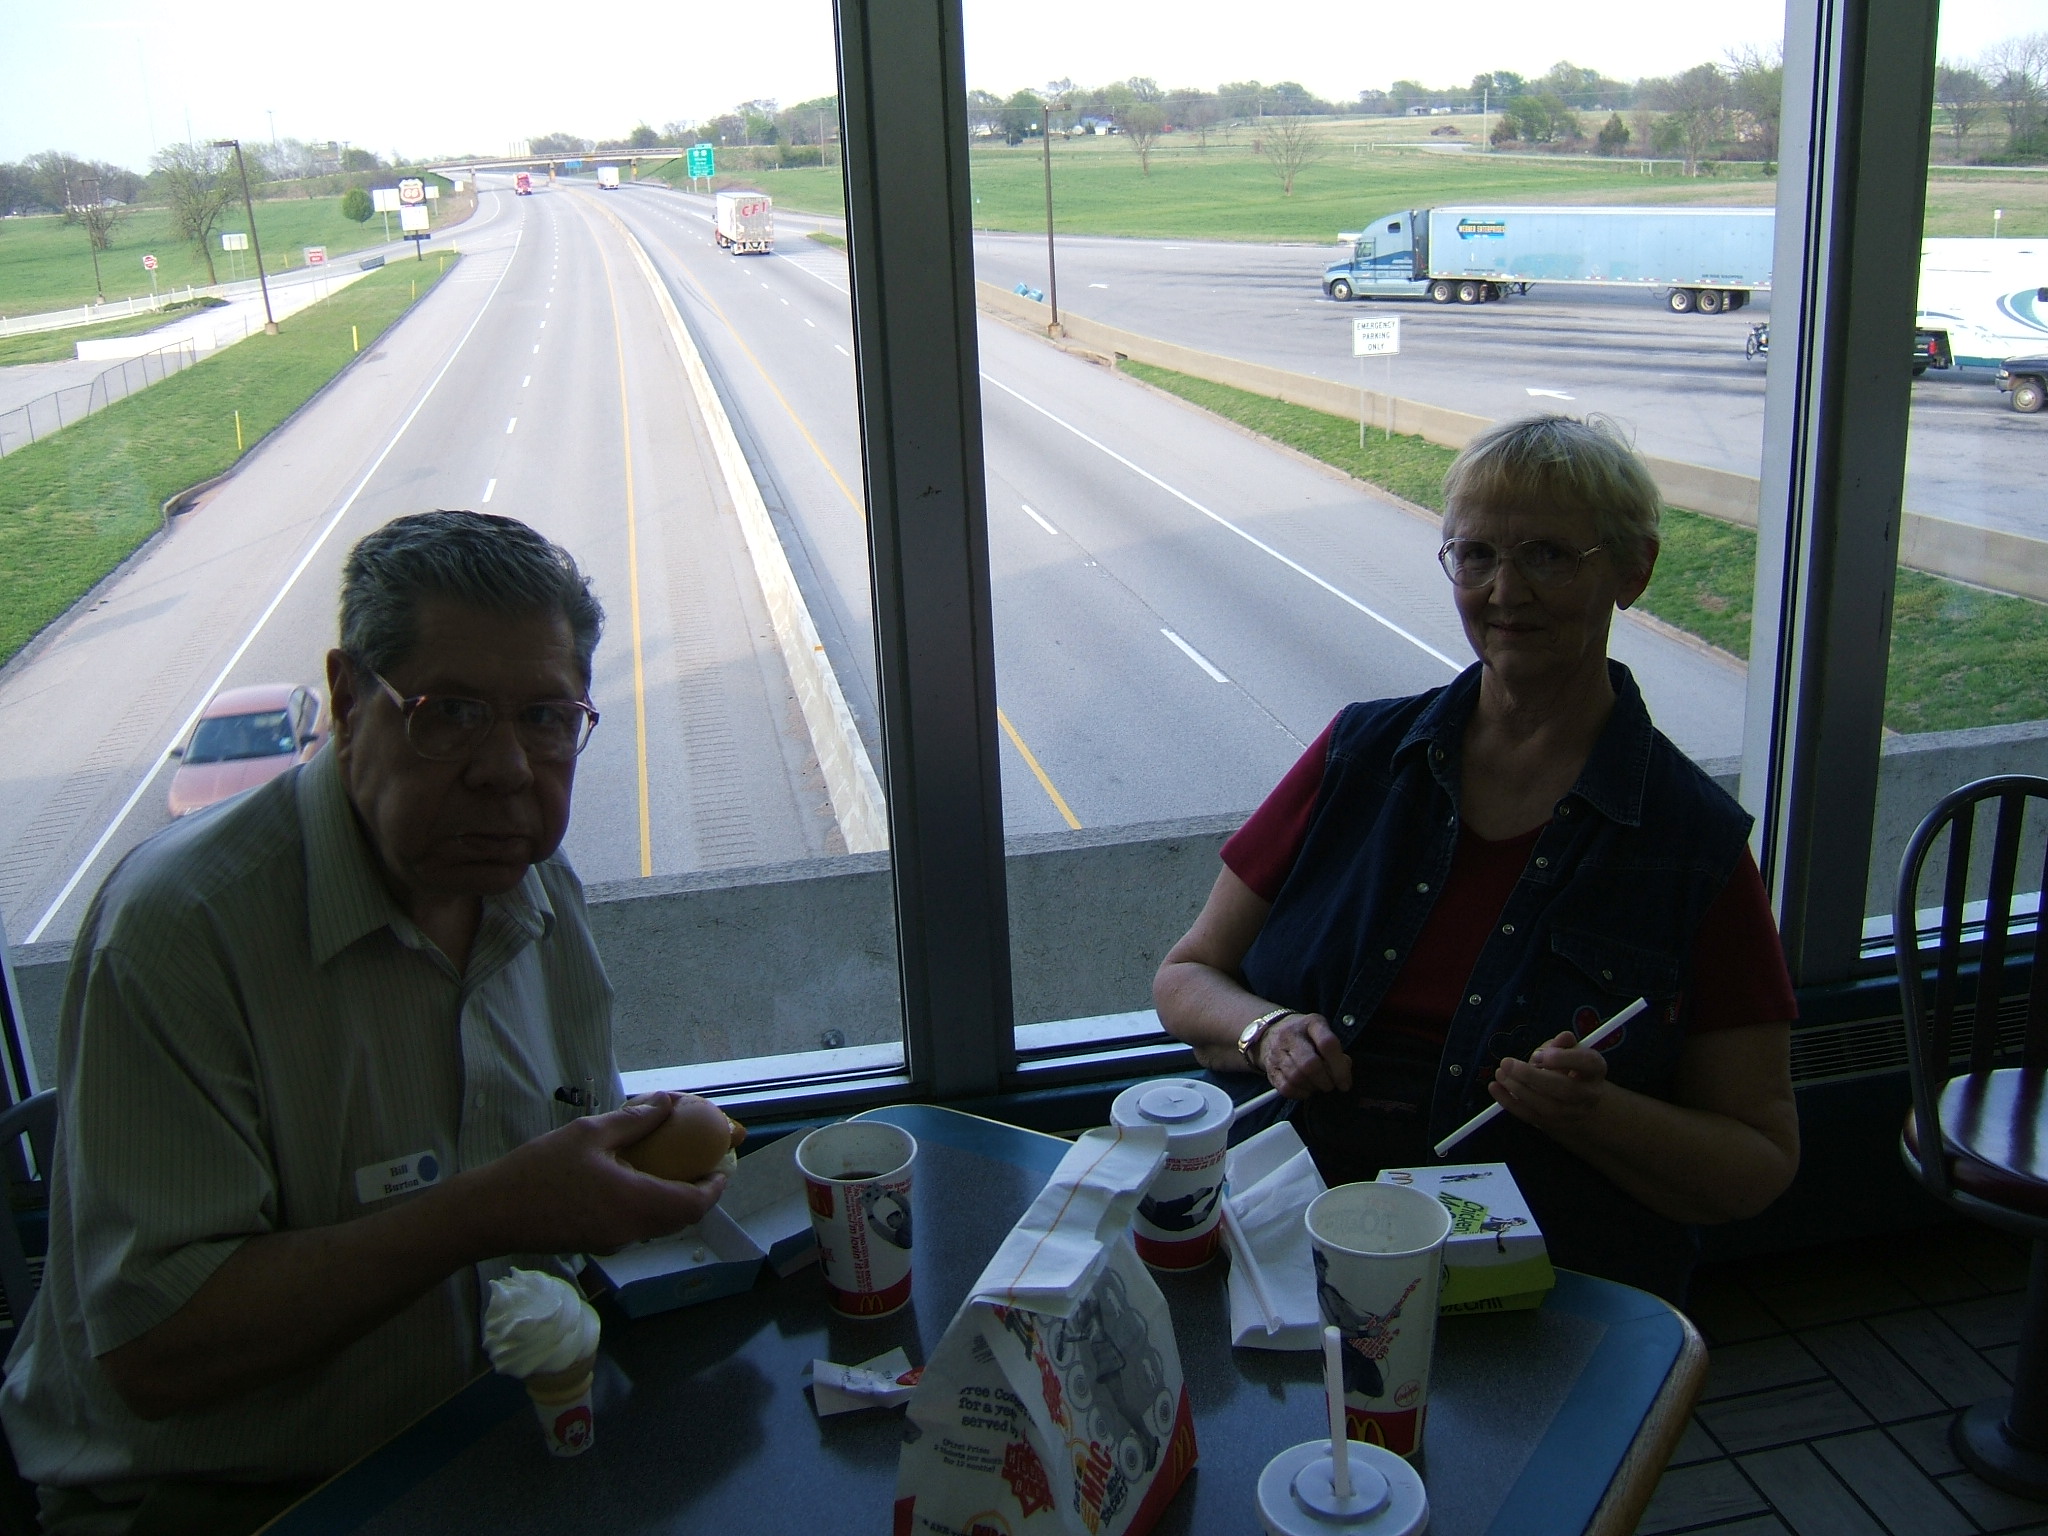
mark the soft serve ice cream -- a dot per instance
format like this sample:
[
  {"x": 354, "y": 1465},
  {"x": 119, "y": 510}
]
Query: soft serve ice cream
[{"x": 539, "y": 1329}]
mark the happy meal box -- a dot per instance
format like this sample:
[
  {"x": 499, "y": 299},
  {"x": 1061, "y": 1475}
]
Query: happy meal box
[{"x": 1495, "y": 1259}]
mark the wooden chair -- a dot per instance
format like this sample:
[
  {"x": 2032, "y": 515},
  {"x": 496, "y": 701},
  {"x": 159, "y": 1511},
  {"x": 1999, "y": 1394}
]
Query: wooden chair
[
  {"x": 1990, "y": 1159},
  {"x": 27, "y": 1185}
]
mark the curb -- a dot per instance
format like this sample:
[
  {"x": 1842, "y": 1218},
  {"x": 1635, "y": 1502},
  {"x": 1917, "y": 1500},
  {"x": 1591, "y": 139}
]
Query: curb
[{"x": 856, "y": 792}]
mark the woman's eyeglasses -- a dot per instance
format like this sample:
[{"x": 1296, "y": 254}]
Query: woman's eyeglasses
[{"x": 1474, "y": 563}]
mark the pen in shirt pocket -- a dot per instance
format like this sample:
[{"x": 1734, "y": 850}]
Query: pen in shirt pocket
[{"x": 584, "y": 1097}]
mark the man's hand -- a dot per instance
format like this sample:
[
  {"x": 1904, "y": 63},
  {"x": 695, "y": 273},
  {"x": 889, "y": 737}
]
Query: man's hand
[
  {"x": 1300, "y": 1056},
  {"x": 570, "y": 1192},
  {"x": 1558, "y": 1087}
]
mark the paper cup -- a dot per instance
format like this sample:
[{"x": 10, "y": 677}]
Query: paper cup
[
  {"x": 857, "y": 1180},
  {"x": 1379, "y": 1255},
  {"x": 1177, "y": 1225},
  {"x": 566, "y": 1422}
]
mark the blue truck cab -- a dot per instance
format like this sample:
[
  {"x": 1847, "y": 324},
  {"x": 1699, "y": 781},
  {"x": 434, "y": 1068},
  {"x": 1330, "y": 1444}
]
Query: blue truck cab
[{"x": 1382, "y": 262}]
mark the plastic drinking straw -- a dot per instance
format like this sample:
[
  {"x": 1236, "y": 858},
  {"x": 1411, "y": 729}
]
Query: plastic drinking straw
[
  {"x": 1241, "y": 1254},
  {"x": 1257, "y": 1101},
  {"x": 1333, "y": 1387},
  {"x": 1492, "y": 1111}
]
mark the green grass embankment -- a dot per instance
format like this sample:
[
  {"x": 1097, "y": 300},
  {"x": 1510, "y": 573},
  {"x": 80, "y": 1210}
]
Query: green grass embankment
[
  {"x": 75, "y": 505},
  {"x": 1960, "y": 656}
]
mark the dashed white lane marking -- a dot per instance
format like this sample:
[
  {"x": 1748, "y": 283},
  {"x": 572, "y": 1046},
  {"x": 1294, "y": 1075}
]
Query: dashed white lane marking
[
  {"x": 536, "y": 346},
  {"x": 841, "y": 350},
  {"x": 510, "y": 425},
  {"x": 1552, "y": 394},
  {"x": 810, "y": 322},
  {"x": 488, "y": 489},
  {"x": 1048, "y": 527},
  {"x": 526, "y": 381},
  {"x": 1098, "y": 285},
  {"x": 1196, "y": 657}
]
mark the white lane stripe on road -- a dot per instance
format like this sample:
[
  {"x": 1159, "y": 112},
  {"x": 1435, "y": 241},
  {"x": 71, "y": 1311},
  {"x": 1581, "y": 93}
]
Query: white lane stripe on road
[
  {"x": 526, "y": 381},
  {"x": 1223, "y": 522},
  {"x": 1196, "y": 657},
  {"x": 1048, "y": 527},
  {"x": 206, "y": 698},
  {"x": 510, "y": 425},
  {"x": 841, "y": 350},
  {"x": 489, "y": 488},
  {"x": 536, "y": 346}
]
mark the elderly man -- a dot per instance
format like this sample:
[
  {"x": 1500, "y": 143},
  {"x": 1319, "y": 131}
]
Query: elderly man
[{"x": 325, "y": 1052}]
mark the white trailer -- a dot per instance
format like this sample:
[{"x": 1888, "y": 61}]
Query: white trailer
[
  {"x": 1987, "y": 300},
  {"x": 607, "y": 178},
  {"x": 745, "y": 222}
]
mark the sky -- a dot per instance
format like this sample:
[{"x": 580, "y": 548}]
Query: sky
[{"x": 117, "y": 79}]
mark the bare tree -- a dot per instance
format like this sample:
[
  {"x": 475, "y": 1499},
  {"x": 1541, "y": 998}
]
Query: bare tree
[
  {"x": 1756, "y": 91},
  {"x": 1141, "y": 124},
  {"x": 1196, "y": 112},
  {"x": 1292, "y": 145},
  {"x": 2015, "y": 69},
  {"x": 1962, "y": 95},
  {"x": 196, "y": 185},
  {"x": 1698, "y": 101}
]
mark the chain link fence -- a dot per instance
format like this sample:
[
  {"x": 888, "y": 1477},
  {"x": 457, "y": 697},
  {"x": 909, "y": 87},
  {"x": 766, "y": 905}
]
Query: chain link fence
[{"x": 61, "y": 408}]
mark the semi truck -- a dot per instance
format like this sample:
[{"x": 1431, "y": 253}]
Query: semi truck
[
  {"x": 744, "y": 222},
  {"x": 522, "y": 185},
  {"x": 607, "y": 178},
  {"x": 1705, "y": 260}
]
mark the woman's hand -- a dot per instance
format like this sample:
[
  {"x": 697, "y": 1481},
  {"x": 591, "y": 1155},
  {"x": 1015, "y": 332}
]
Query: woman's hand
[
  {"x": 1558, "y": 1087},
  {"x": 1300, "y": 1056}
]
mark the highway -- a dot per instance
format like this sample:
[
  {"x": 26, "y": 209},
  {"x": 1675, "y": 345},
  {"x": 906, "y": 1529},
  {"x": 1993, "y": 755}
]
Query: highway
[
  {"x": 536, "y": 381},
  {"x": 1681, "y": 383}
]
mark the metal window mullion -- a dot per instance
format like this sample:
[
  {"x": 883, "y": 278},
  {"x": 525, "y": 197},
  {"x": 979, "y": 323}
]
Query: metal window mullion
[
  {"x": 1852, "y": 185},
  {"x": 903, "y": 108}
]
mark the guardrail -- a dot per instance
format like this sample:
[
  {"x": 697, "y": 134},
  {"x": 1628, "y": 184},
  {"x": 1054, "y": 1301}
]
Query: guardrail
[{"x": 61, "y": 408}]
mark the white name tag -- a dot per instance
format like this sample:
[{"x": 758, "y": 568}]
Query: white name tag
[{"x": 399, "y": 1176}]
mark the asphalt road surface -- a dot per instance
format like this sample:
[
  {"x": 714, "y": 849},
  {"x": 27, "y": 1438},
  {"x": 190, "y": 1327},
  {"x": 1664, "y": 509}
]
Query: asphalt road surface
[
  {"x": 1681, "y": 383},
  {"x": 1179, "y": 607},
  {"x": 502, "y": 390}
]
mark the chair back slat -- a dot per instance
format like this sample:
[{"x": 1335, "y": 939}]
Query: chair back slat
[
  {"x": 2005, "y": 852},
  {"x": 1949, "y": 958},
  {"x": 2034, "y": 1053}
]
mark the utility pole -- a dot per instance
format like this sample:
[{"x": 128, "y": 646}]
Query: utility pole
[
  {"x": 273, "y": 126},
  {"x": 255, "y": 244},
  {"x": 1052, "y": 271}
]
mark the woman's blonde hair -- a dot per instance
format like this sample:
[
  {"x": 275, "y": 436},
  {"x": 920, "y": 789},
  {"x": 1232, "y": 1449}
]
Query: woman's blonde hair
[{"x": 1552, "y": 463}]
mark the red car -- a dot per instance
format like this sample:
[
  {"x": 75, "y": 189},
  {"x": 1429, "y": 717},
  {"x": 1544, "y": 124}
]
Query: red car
[{"x": 246, "y": 737}]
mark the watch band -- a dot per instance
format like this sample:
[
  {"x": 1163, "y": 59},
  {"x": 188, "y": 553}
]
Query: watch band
[{"x": 1248, "y": 1038}]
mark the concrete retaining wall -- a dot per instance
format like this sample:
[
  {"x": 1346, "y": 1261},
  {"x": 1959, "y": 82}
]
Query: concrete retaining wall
[{"x": 2003, "y": 562}]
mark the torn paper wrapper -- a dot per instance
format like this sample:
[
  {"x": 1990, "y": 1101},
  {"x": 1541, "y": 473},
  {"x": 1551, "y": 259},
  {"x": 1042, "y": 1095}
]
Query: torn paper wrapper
[{"x": 882, "y": 1382}]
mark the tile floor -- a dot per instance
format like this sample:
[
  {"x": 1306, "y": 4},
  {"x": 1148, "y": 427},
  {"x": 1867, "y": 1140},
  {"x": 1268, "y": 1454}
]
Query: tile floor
[{"x": 1834, "y": 1374}]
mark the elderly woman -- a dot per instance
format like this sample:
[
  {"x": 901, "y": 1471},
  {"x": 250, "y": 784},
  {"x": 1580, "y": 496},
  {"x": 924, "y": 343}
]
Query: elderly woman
[{"x": 1448, "y": 891}]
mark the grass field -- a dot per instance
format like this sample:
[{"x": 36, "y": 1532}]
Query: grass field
[
  {"x": 1960, "y": 656},
  {"x": 1228, "y": 193},
  {"x": 44, "y": 263},
  {"x": 53, "y": 346},
  {"x": 75, "y": 505}
]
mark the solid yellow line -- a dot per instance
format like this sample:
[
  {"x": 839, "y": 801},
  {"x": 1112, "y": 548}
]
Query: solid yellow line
[
  {"x": 1044, "y": 783},
  {"x": 633, "y": 579}
]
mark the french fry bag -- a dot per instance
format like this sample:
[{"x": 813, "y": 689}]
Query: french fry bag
[{"x": 1055, "y": 1402}]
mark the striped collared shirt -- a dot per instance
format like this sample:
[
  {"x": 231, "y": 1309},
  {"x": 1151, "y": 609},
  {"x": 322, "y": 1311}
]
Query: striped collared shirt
[{"x": 255, "y": 1039}]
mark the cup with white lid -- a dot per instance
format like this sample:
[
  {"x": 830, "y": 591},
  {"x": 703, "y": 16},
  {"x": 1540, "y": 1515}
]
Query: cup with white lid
[{"x": 1176, "y": 1226}]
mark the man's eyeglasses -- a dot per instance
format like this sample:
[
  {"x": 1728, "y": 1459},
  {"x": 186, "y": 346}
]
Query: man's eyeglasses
[
  {"x": 445, "y": 729},
  {"x": 1474, "y": 563}
]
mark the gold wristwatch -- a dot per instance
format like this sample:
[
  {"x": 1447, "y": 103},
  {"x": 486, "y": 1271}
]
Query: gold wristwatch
[{"x": 1248, "y": 1038}]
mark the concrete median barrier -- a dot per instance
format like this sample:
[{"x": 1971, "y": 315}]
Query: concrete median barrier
[{"x": 1984, "y": 557}]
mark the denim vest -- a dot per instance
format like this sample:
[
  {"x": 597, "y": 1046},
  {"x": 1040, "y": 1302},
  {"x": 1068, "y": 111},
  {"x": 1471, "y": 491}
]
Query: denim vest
[{"x": 1606, "y": 911}]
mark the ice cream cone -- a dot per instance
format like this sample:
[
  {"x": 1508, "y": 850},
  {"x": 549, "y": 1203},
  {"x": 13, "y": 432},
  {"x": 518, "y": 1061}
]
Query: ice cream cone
[
  {"x": 555, "y": 1386},
  {"x": 561, "y": 1401}
]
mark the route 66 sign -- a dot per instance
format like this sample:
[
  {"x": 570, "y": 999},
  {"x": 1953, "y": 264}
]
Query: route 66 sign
[{"x": 411, "y": 190}]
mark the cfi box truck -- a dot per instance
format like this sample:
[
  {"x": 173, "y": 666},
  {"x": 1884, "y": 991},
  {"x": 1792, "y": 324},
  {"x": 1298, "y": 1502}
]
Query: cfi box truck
[
  {"x": 1705, "y": 260},
  {"x": 744, "y": 222},
  {"x": 607, "y": 178}
]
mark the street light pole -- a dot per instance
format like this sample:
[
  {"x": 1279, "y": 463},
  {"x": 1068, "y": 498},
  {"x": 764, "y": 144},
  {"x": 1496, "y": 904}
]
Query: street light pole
[
  {"x": 1052, "y": 271},
  {"x": 255, "y": 243}
]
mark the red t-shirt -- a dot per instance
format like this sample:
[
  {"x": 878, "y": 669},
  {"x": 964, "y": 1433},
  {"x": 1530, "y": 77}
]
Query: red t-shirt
[{"x": 1738, "y": 965}]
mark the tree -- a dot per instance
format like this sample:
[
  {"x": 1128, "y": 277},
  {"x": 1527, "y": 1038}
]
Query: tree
[
  {"x": 2015, "y": 68},
  {"x": 1022, "y": 115},
  {"x": 559, "y": 144},
  {"x": 1292, "y": 145},
  {"x": 1141, "y": 123},
  {"x": 1194, "y": 112},
  {"x": 984, "y": 113},
  {"x": 642, "y": 136},
  {"x": 1537, "y": 119},
  {"x": 1697, "y": 101},
  {"x": 1613, "y": 139},
  {"x": 1756, "y": 93},
  {"x": 1962, "y": 95},
  {"x": 356, "y": 205},
  {"x": 197, "y": 189},
  {"x": 353, "y": 159}
]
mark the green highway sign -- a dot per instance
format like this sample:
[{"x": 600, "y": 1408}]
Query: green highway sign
[{"x": 702, "y": 159}]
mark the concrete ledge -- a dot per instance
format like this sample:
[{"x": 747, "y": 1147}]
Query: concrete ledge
[{"x": 2003, "y": 562}]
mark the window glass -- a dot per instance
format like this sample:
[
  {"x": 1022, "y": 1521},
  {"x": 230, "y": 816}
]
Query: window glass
[
  {"x": 631, "y": 332},
  {"x": 1212, "y": 522}
]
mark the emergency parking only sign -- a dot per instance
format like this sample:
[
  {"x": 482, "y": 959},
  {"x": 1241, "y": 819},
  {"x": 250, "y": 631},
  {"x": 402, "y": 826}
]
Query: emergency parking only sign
[{"x": 1376, "y": 336}]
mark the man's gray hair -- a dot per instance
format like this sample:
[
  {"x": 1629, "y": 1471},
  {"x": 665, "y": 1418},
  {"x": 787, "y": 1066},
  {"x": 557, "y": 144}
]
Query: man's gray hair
[
  {"x": 478, "y": 559},
  {"x": 1554, "y": 463}
]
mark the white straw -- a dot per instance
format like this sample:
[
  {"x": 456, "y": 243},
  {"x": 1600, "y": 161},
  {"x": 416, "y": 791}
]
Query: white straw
[
  {"x": 1487, "y": 1115},
  {"x": 1333, "y": 1387},
  {"x": 1241, "y": 1255},
  {"x": 1259, "y": 1101}
]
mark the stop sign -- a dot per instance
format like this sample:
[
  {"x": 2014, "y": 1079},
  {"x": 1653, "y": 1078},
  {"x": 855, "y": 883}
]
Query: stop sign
[{"x": 149, "y": 263}]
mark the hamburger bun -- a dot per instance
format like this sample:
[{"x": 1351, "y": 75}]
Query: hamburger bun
[{"x": 696, "y": 1139}]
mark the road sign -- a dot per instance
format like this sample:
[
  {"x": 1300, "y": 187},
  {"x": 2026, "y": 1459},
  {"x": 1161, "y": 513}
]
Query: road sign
[
  {"x": 234, "y": 242},
  {"x": 433, "y": 193},
  {"x": 316, "y": 255},
  {"x": 701, "y": 160},
  {"x": 149, "y": 263},
  {"x": 383, "y": 199},
  {"x": 1376, "y": 336},
  {"x": 412, "y": 219},
  {"x": 411, "y": 190}
]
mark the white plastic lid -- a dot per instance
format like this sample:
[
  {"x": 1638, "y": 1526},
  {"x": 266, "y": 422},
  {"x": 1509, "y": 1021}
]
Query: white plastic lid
[
  {"x": 1182, "y": 1106},
  {"x": 1171, "y": 1103}
]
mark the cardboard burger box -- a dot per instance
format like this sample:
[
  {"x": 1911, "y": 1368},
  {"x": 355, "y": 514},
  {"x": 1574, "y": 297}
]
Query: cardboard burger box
[
  {"x": 762, "y": 1219},
  {"x": 1495, "y": 1259}
]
